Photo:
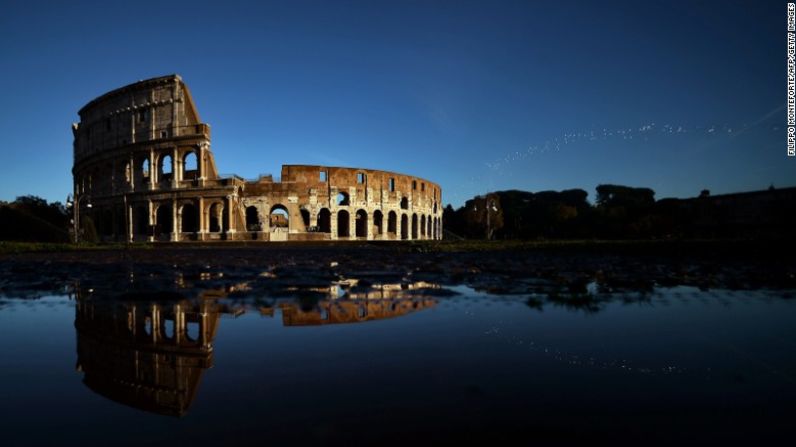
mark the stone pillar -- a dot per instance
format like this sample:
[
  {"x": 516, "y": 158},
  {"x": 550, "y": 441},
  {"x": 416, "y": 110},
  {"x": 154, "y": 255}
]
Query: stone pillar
[
  {"x": 398, "y": 227},
  {"x": 203, "y": 329},
  {"x": 200, "y": 164},
  {"x": 370, "y": 220},
  {"x": 175, "y": 169},
  {"x": 230, "y": 219},
  {"x": 150, "y": 221},
  {"x": 152, "y": 171},
  {"x": 333, "y": 224},
  {"x": 202, "y": 220},
  {"x": 155, "y": 323},
  {"x": 179, "y": 325},
  {"x": 131, "y": 173},
  {"x": 130, "y": 226},
  {"x": 174, "y": 221}
]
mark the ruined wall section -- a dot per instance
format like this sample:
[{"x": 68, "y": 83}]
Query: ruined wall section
[{"x": 360, "y": 204}]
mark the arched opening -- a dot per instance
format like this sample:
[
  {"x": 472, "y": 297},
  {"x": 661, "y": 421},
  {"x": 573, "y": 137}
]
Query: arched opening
[
  {"x": 342, "y": 223},
  {"x": 305, "y": 218},
  {"x": 141, "y": 220},
  {"x": 168, "y": 328},
  {"x": 106, "y": 229},
  {"x": 190, "y": 218},
  {"x": 145, "y": 168},
  {"x": 342, "y": 199},
  {"x": 404, "y": 203},
  {"x": 392, "y": 223},
  {"x": 404, "y": 227},
  {"x": 192, "y": 331},
  {"x": 325, "y": 221},
  {"x": 378, "y": 220},
  {"x": 214, "y": 217},
  {"x": 163, "y": 220},
  {"x": 435, "y": 207},
  {"x": 190, "y": 166},
  {"x": 361, "y": 224},
  {"x": 279, "y": 218},
  {"x": 423, "y": 226},
  {"x": 252, "y": 219},
  {"x": 429, "y": 233},
  {"x": 166, "y": 167},
  {"x": 414, "y": 226}
]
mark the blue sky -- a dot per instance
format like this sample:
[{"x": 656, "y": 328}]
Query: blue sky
[{"x": 477, "y": 96}]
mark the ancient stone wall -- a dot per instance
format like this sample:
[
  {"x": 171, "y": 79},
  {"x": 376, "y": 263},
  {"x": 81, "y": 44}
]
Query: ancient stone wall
[{"x": 143, "y": 163}]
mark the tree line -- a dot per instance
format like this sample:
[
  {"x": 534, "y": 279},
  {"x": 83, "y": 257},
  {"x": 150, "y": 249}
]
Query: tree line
[{"x": 622, "y": 212}]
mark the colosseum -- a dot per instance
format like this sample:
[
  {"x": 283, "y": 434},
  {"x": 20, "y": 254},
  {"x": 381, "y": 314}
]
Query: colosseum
[{"x": 144, "y": 171}]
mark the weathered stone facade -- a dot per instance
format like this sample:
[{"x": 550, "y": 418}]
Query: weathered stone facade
[{"x": 142, "y": 159}]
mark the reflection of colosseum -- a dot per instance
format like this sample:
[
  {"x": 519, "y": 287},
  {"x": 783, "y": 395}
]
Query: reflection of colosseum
[
  {"x": 150, "y": 356},
  {"x": 142, "y": 160}
]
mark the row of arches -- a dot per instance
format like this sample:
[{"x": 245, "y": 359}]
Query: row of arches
[
  {"x": 139, "y": 171},
  {"x": 414, "y": 226}
]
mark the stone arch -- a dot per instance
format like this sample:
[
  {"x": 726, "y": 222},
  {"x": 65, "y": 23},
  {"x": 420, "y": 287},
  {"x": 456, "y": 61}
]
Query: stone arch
[
  {"x": 392, "y": 223},
  {"x": 404, "y": 227},
  {"x": 343, "y": 199},
  {"x": 253, "y": 219},
  {"x": 166, "y": 166},
  {"x": 423, "y": 226},
  {"x": 190, "y": 165},
  {"x": 145, "y": 169},
  {"x": 215, "y": 217},
  {"x": 164, "y": 223},
  {"x": 189, "y": 218},
  {"x": 305, "y": 218},
  {"x": 378, "y": 223},
  {"x": 414, "y": 226},
  {"x": 361, "y": 224},
  {"x": 435, "y": 207},
  {"x": 141, "y": 220},
  {"x": 404, "y": 203},
  {"x": 279, "y": 217},
  {"x": 429, "y": 230},
  {"x": 343, "y": 224},
  {"x": 106, "y": 223},
  {"x": 325, "y": 221}
]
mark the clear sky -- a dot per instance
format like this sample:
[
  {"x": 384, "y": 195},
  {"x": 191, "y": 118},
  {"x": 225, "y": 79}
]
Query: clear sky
[{"x": 477, "y": 96}]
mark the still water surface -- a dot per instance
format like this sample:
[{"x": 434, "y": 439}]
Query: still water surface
[{"x": 412, "y": 364}]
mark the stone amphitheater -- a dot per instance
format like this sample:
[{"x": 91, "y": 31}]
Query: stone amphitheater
[{"x": 144, "y": 171}]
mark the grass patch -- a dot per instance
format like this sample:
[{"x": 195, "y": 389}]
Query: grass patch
[{"x": 11, "y": 247}]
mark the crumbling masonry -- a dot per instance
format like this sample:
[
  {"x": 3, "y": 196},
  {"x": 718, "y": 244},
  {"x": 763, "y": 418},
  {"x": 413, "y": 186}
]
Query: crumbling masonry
[{"x": 142, "y": 160}]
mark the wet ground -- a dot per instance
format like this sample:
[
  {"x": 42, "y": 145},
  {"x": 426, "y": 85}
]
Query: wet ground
[{"x": 395, "y": 345}]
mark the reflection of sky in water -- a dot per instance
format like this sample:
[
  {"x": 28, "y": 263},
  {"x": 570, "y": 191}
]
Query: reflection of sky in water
[{"x": 474, "y": 358}]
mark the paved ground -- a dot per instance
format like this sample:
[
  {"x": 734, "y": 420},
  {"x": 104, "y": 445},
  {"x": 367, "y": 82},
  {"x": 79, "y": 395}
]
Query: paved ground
[{"x": 572, "y": 271}]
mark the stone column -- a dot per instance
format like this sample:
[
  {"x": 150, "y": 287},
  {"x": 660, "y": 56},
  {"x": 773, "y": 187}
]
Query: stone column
[
  {"x": 230, "y": 219},
  {"x": 130, "y": 225},
  {"x": 398, "y": 226},
  {"x": 333, "y": 223},
  {"x": 175, "y": 169},
  {"x": 179, "y": 325},
  {"x": 200, "y": 164},
  {"x": 131, "y": 173},
  {"x": 152, "y": 171},
  {"x": 150, "y": 221},
  {"x": 174, "y": 221},
  {"x": 370, "y": 221},
  {"x": 155, "y": 323},
  {"x": 202, "y": 220}
]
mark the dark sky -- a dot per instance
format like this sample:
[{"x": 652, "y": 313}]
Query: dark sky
[{"x": 478, "y": 96}]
